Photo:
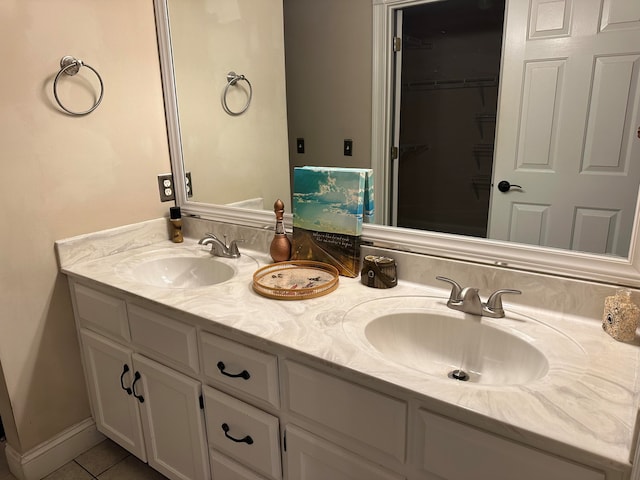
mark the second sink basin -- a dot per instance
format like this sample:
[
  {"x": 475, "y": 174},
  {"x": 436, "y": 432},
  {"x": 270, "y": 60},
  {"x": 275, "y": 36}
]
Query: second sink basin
[
  {"x": 465, "y": 349},
  {"x": 421, "y": 333},
  {"x": 183, "y": 272}
]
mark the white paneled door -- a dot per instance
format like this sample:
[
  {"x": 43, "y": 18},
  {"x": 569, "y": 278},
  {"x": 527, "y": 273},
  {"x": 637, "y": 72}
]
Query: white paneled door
[{"x": 570, "y": 143}]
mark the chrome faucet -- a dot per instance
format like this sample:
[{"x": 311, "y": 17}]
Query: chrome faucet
[
  {"x": 468, "y": 300},
  {"x": 220, "y": 248}
]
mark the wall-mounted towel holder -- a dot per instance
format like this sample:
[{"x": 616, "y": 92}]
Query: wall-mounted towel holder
[
  {"x": 70, "y": 66},
  {"x": 233, "y": 79}
]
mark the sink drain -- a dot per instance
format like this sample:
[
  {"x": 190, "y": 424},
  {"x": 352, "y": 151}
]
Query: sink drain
[{"x": 460, "y": 375}]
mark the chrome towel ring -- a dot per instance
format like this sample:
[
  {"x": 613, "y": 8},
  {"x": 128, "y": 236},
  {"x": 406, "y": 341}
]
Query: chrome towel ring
[
  {"x": 232, "y": 79},
  {"x": 70, "y": 66}
]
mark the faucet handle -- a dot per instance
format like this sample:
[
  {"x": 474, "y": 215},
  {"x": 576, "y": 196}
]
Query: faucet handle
[
  {"x": 494, "y": 302},
  {"x": 233, "y": 247},
  {"x": 456, "y": 289}
]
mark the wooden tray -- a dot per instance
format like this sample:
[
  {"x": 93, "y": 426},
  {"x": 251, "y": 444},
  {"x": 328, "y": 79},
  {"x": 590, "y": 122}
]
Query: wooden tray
[{"x": 295, "y": 280}]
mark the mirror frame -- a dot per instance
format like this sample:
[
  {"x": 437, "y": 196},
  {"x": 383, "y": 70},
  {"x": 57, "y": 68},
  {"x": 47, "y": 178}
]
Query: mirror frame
[{"x": 532, "y": 258}]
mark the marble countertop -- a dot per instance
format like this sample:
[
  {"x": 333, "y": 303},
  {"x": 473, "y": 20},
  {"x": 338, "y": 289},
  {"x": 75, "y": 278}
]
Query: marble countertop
[{"x": 584, "y": 409}]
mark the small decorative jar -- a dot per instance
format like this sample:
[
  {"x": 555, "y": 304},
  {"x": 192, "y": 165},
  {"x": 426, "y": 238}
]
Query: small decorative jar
[
  {"x": 379, "y": 272},
  {"x": 621, "y": 315}
]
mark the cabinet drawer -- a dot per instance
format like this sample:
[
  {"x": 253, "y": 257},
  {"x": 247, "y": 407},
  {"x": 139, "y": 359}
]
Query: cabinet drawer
[
  {"x": 442, "y": 443},
  {"x": 243, "y": 432},
  {"x": 242, "y": 368},
  {"x": 164, "y": 338},
  {"x": 101, "y": 313},
  {"x": 371, "y": 418},
  {"x": 309, "y": 457},
  {"x": 223, "y": 468}
]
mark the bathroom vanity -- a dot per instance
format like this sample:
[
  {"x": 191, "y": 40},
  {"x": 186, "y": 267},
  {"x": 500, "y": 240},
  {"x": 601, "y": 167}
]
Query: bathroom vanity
[{"x": 218, "y": 382}]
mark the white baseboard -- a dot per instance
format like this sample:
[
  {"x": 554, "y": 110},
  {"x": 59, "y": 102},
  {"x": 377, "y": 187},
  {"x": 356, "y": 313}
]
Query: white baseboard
[{"x": 52, "y": 454}]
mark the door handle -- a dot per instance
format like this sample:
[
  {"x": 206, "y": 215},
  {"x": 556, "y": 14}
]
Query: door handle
[
  {"x": 136, "y": 377},
  {"x": 505, "y": 186},
  {"x": 247, "y": 439},
  {"x": 243, "y": 374},
  {"x": 125, "y": 369}
]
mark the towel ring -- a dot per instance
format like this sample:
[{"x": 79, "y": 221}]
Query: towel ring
[
  {"x": 232, "y": 79},
  {"x": 71, "y": 66}
]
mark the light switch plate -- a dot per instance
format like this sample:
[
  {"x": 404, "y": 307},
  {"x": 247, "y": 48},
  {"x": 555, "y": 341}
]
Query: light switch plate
[{"x": 348, "y": 147}]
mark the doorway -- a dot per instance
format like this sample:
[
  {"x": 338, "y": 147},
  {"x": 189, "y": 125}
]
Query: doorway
[{"x": 447, "y": 75}]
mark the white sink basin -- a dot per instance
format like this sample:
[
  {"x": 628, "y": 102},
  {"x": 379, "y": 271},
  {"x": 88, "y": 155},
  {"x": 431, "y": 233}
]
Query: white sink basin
[
  {"x": 422, "y": 334},
  {"x": 440, "y": 345},
  {"x": 182, "y": 272},
  {"x": 183, "y": 266}
]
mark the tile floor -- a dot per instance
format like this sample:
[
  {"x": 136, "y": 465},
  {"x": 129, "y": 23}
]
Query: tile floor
[{"x": 105, "y": 461}]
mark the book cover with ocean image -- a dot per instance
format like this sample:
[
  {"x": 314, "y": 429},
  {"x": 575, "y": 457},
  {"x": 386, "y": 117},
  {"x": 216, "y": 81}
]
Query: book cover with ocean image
[{"x": 328, "y": 210}]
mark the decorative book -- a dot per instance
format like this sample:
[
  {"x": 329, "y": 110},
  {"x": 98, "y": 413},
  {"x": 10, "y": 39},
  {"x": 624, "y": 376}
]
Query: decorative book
[{"x": 328, "y": 212}]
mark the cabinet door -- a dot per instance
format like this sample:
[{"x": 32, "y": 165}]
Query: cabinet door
[
  {"x": 109, "y": 373},
  {"x": 370, "y": 418},
  {"x": 443, "y": 443},
  {"x": 311, "y": 458},
  {"x": 172, "y": 421}
]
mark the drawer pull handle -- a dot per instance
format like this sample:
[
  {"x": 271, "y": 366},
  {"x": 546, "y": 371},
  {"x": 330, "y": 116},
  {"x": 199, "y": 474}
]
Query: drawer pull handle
[
  {"x": 243, "y": 374},
  {"x": 136, "y": 377},
  {"x": 248, "y": 440},
  {"x": 125, "y": 369}
]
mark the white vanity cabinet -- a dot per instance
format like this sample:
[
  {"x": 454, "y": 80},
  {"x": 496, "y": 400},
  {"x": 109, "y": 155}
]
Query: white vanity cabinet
[
  {"x": 151, "y": 410},
  {"x": 199, "y": 406}
]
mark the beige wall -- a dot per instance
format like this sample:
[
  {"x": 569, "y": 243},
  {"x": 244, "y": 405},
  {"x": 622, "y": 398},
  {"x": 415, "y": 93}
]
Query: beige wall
[
  {"x": 232, "y": 158},
  {"x": 63, "y": 176},
  {"x": 328, "y": 56}
]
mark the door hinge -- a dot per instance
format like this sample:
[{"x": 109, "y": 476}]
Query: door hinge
[
  {"x": 397, "y": 44},
  {"x": 394, "y": 153},
  {"x": 201, "y": 402}
]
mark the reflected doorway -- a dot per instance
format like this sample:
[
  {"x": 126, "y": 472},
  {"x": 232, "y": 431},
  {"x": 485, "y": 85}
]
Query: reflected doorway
[{"x": 447, "y": 75}]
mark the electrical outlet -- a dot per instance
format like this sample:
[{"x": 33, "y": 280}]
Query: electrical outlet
[
  {"x": 165, "y": 185},
  {"x": 300, "y": 145},
  {"x": 348, "y": 147},
  {"x": 188, "y": 184}
]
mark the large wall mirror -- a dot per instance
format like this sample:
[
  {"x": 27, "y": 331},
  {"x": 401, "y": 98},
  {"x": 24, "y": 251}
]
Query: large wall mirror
[{"x": 528, "y": 108}]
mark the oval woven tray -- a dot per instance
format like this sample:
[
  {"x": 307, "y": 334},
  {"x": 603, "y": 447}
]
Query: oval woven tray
[{"x": 295, "y": 280}]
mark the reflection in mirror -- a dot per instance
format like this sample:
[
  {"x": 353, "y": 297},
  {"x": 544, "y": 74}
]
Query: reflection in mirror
[
  {"x": 543, "y": 118},
  {"x": 563, "y": 126},
  {"x": 448, "y": 73},
  {"x": 328, "y": 53},
  {"x": 233, "y": 159}
]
